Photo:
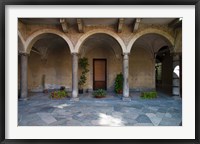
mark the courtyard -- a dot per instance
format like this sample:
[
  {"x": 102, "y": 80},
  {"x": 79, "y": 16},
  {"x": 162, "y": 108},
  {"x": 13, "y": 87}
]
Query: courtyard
[{"x": 40, "y": 110}]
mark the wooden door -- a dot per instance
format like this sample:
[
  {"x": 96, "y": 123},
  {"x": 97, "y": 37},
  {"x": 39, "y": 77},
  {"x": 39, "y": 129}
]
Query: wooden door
[{"x": 99, "y": 74}]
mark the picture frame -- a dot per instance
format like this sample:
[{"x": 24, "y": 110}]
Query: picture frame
[{"x": 3, "y": 88}]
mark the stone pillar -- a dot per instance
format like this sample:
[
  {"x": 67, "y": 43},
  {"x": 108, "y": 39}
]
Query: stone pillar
[
  {"x": 24, "y": 76},
  {"x": 125, "y": 74},
  {"x": 176, "y": 75},
  {"x": 74, "y": 77}
]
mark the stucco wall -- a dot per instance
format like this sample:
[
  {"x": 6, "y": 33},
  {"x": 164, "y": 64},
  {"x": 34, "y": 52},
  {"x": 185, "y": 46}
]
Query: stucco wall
[
  {"x": 141, "y": 70},
  {"x": 114, "y": 65},
  {"x": 53, "y": 72}
]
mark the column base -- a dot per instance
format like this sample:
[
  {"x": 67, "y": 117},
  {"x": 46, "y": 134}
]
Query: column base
[
  {"x": 74, "y": 99},
  {"x": 126, "y": 98},
  {"x": 23, "y": 99}
]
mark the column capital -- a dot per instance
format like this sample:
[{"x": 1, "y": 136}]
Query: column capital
[
  {"x": 74, "y": 53},
  {"x": 126, "y": 53},
  {"x": 125, "y": 56},
  {"x": 23, "y": 54}
]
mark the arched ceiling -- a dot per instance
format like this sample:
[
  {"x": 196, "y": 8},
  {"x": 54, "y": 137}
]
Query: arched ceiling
[
  {"x": 46, "y": 42},
  {"x": 151, "y": 42},
  {"x": 101, "y": 41}
]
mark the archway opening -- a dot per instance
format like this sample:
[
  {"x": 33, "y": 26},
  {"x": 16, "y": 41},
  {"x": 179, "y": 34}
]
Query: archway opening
[
  {"x": 145, "y": 64},
  {"x": 49, "y": 63},
  {"x": 164, "y": 70},
  {"x": 104, "y": 55}
]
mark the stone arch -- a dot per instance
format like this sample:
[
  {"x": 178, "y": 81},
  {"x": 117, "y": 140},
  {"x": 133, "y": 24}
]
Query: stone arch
[
  {"x": 36, "y": 35},
  {"x": 149, "y": 31},
  {"x": 21, "y": 43},
  {"x": 103, "y": 31}
]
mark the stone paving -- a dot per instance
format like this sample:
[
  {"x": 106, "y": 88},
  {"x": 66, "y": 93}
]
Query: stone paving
[{"x": 40, "y": 110}]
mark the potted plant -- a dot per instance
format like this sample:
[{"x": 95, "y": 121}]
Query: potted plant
[
  {"x": 59, "y": 94},
  {"x": 149, "y": 95},
  {"x": 100, "y": 93},
  {"x": 83, "y": 64},
  {"x": 119, "y": 83}
]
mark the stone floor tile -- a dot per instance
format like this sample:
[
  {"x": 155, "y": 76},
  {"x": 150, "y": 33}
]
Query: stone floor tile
[
  {"x": 143, "y": 119},
  {"x": 110, "y": 111},
  {"x": 47, "y": 118}
]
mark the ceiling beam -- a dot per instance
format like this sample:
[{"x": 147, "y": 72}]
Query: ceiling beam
[
  {"x": 64, "y": 25},
  {"x": 80, "y": 25},
  {"x": 120, "y": 25},
  {"x": 136, "y": 24}
]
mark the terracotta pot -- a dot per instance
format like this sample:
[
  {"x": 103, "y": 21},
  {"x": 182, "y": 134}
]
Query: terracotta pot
[
  {"x": 45, "y": 91},
  {"x": 120, "y": 91},
  {"x": 99, "y": 96}
]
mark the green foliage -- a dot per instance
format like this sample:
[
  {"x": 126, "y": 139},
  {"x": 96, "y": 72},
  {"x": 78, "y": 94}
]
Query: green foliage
[
  {"x": 83, "y": 64},
  {"x": 99, "y": 93},
  {"x": 119, "y": 83},
  {"x": 58, "y": 94},
  {"x": 149, "y": 95}
]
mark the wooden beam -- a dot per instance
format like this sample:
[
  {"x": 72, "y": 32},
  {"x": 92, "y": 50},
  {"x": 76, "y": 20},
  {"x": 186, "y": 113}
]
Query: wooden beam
[
  {"x": 120, "y": 25},
  {"x": 64, "y": 25},
  {"x": 80, "y": 25},
  {"x": 136, "y": 24}
]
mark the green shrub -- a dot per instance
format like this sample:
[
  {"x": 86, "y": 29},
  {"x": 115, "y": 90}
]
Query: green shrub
[
  {"x": 58, "y": 94},
  {"x": 149, "y": 95},
  {"x": 119, "y": 83},
  {"x": 83, "y": 64},
  {"x": 99, "y": 93}
]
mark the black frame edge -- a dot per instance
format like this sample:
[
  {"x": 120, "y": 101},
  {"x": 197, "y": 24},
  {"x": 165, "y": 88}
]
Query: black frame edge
[
  {"x": 88, "y": 2},
  {"x": 2, "y": 72},
  {"x": 101, "y": 2},
  {"x": 197, "y": 67}
]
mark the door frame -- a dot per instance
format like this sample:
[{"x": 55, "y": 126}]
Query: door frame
[{"x": 102, "y": 59}]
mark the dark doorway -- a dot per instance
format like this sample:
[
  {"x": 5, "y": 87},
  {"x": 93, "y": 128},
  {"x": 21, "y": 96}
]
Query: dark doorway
[
  {"x": 164, "y": 70},
  {"x": 99, "y": 74}
]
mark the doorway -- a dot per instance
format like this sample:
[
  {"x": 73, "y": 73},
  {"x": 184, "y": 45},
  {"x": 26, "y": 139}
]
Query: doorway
[{"x": 99, "y": 74}]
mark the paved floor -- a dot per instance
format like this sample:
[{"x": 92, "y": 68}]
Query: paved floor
[{"x": 40, "y": 110}]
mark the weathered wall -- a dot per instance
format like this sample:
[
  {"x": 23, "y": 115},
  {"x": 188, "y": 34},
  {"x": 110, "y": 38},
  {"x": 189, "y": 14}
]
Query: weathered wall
[
  {"x": 178, "y": 41},
  {"x": 56, "y": 70},
  {"x": 114, "y": 65},
  {"x": 141, "y": 70}
]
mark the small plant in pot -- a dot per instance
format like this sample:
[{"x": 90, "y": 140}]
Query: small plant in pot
[
  {"x": 59, "y": 94},
  {"x": 149, "y": 95},
  {"x": 119, "y": 83},
  {"x": 83, "y": 64},
  {"x": 100, "y": 93}
]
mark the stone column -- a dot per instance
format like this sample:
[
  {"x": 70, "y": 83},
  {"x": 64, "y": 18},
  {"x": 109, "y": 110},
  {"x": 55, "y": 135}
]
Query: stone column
[
  {"x": 24, "y": 76},
  {"x": 125, "y": 74},
  {"x": 176, "y": 75},
  {"x": 74, "y": 77}
]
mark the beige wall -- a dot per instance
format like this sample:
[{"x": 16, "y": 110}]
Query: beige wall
[
  {"x": 141, "y": 70},
  {"x": 57, "y": 69},
  {"x": 114, "y": 65}
]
